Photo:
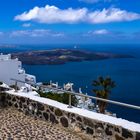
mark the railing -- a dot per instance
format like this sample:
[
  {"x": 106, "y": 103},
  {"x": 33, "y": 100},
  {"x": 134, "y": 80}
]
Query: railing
[
  {"x": 82, "y": 95},
  {"x": 96, "y": 98}
]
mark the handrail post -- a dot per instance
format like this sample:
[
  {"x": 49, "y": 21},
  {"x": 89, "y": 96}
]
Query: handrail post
[
  {"x": 69, "y": 106},
  {"x": 15, "y": 86}
]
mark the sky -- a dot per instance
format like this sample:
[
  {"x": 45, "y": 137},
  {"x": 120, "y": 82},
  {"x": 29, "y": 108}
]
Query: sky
[{"x": 70, "y": 21}]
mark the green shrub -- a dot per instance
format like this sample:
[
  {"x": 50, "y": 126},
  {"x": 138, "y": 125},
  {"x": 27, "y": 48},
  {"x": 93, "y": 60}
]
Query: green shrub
[
  {"x": 63, "y": 98},
  {"x": 46, "y": 83}
]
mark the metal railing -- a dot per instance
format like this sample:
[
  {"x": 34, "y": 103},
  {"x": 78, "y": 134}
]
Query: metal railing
[
  {"x": 96, "y": 98},
  {"x": 82, "y": 95}
]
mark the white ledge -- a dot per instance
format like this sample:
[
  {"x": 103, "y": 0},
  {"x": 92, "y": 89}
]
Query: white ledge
[{"x": 82, "y": 112}]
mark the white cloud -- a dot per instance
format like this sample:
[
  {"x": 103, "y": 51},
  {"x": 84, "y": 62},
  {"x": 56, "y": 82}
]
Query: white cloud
[
  {"x": 95, "y": 1},
  {"x": 101, "y": 32},
  {"x": 90, "y": 1},
  {"x": 26, "y": 25},
  {"x": 36, "y": 33},
  {"x": 112, "y": 15},
  {"x": 52, "y": 14}
]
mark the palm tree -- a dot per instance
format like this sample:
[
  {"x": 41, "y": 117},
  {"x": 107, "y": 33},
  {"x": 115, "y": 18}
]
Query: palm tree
[{"x": 102, "y": 90}]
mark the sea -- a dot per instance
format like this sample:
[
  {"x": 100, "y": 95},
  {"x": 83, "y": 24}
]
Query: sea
[{"x": 124, "y": 71}]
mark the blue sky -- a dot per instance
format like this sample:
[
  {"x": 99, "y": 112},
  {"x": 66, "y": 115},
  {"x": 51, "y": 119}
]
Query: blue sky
[{"x": 69, "y": 21}]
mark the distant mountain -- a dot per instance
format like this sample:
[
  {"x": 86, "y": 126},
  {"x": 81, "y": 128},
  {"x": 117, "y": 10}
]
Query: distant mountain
[{"x": 62, "y": 56}]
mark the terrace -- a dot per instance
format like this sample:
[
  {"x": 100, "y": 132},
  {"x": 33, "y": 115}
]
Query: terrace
[
  {"x": 16, "y": 125},
  {"x": 24, "y": 115}
]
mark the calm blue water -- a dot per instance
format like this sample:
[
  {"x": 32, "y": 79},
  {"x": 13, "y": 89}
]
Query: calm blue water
[{"x": 125, "y": 72}]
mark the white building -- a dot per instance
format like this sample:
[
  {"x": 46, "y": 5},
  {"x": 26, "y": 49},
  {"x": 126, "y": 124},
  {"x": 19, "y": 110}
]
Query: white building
[{"x": 12, "y": 69}]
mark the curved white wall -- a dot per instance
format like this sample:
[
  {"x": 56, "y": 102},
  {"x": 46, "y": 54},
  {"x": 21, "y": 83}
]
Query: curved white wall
[{"x": 10, "y": 69}]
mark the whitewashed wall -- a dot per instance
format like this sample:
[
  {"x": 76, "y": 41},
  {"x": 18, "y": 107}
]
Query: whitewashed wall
[{"x": 9, "y": 69}]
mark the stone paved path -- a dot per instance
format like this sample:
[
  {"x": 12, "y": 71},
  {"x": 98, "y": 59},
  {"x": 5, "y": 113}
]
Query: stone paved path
[{"x": 14, "y": 125}]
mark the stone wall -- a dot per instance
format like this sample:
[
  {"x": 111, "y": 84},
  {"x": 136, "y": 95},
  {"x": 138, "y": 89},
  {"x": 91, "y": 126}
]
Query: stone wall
[{"x": 91, "y": 129}]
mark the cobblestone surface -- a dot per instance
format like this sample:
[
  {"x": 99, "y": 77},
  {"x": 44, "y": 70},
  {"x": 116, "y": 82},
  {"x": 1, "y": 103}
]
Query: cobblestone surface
[{"x": 14, "y": 125}]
